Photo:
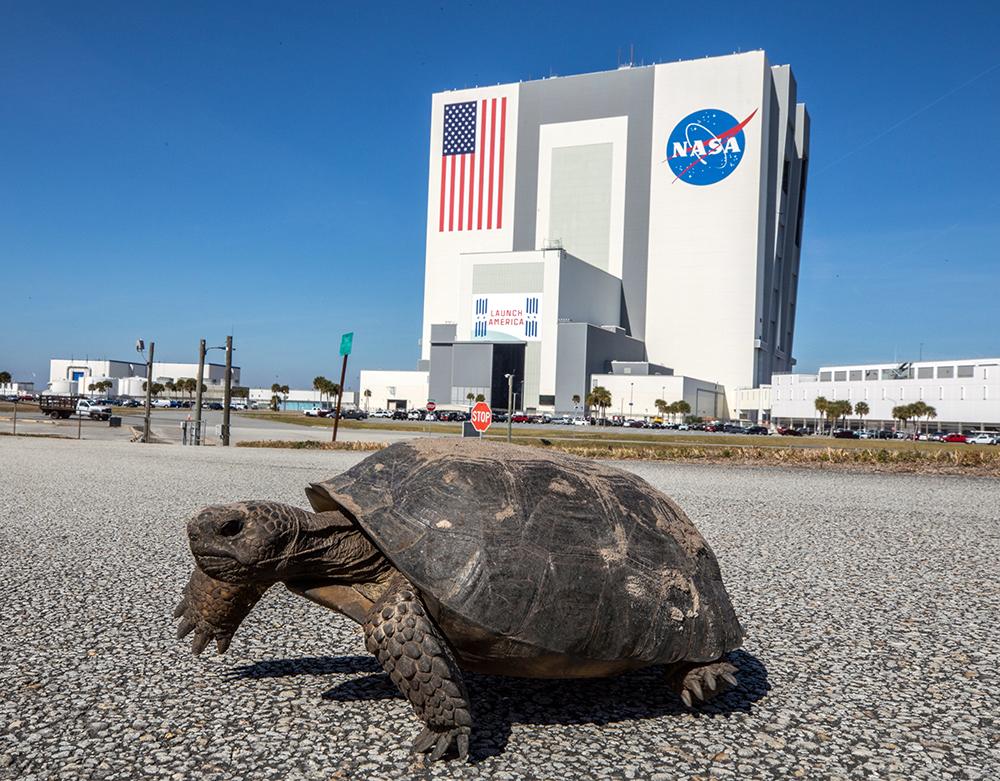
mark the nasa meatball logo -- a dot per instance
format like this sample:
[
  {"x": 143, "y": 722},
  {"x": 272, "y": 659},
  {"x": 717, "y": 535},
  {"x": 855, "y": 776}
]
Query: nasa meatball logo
[{"x": 705, "y": 147}]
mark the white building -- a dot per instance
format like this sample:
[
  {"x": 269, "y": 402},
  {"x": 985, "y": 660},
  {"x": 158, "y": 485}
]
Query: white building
[
  {"x": 635, "y": 387},
  {"x": 964, "y": 393},
  {"x": 643, "y": 214},
  {"x": 392, "y": 390},
  {"x": 72, "y": 375},
  {"x": 302, "y": 399}
]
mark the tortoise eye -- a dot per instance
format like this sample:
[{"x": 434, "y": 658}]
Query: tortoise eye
[{"x": 232, "y": 527}]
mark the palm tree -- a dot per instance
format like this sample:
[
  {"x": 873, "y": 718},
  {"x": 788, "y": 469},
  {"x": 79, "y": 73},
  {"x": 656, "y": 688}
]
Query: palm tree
[
  {"x": 320, "y": 384},
  {"x": 917, "y": 410},
  {"x": 861, "y": 409},
  {"x": 930, "y": 413},
  {"x": 470, "y": 397},
  {"x": 820, "y": 405},
  {"x": 367, "y": 394},
  {"x": 599, "y": 397},
  {"x": 170, "y": 386},
  {"x": 480, "y": 397},
  {"x": 576, "y": 401},
  {"x": 5, "y": 378},
  {"x": 682, "y": 408},
  {"x": 902, "y": 413},
  {"x": 661, "y": 406},
  {"x": 275, "y": 399}
]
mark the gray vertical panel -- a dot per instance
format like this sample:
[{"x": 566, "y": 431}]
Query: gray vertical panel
[
  {"x": 627, "y": 92},
  {"x": 532, "y": 374},
  {"x": 580, "y": 201}
]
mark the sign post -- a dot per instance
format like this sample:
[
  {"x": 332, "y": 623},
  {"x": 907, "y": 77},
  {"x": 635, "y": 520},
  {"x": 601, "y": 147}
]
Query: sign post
[
  {"x": 482, "y": 417},
  {"x": 346, "y": 343}
]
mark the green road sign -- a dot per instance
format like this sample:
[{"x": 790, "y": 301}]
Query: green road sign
[{"x": 346, "y": 341}]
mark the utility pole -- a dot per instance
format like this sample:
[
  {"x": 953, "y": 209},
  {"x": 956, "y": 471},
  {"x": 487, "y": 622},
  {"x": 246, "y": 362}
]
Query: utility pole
[
  {"x": 149, "y": 390},
  {"x": 197, "y": 403},
  {"x": 510, "y": 405},
  {"x": 340, "y": 397},
  {"x": 227, "y": 393},
  {"x": 346, "y": 345}
]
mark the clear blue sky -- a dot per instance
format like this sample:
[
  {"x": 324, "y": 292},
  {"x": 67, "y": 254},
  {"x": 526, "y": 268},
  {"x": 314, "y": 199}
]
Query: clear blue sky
[{"x": 172, "y": 172}]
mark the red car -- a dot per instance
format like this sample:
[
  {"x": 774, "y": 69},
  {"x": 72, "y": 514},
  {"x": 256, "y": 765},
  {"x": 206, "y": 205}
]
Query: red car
[
  {"x": 954, "y": 438},
  {"x": 519, "y": 418}
]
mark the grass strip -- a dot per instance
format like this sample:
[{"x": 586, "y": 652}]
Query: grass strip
[
  {"x": 311, "y": 445},
  {"x": 971, "y": 461}
]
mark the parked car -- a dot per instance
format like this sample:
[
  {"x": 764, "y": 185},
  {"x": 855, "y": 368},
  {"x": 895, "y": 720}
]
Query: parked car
[
  {"x": 519, "y": 417},
  {"x": 414, "y": 414},
  {"x": 844, "y": 433},
  {"x": 983, "y": 438},
  {"x": 789, "y": 432},
  {"x": 65, "y": 406},
  {"x": 381, "y": 413},
  {"x": 954, "y": 438},
  {"x": 580, "y": 422},
  {"x": 315, "y": 412},
  {"x": 758, "y": 430}
]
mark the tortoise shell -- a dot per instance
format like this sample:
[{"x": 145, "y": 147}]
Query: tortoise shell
[{"x": 526, "y": 552}]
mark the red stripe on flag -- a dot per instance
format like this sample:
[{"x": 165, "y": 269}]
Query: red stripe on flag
[
  {"x": 482, "y": 158},
  {"x": 472, "y": 179},
  {"x": 503, "y": 128},
  {"x": 451, "y": 196},
  {"x": 493, "y": 138},
  {"x": 461, "y": 190},
  {"x": 444, "y": 168}
]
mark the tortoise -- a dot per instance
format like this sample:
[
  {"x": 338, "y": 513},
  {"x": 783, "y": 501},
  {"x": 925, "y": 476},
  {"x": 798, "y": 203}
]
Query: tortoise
[{"x": 460, "y": 555}]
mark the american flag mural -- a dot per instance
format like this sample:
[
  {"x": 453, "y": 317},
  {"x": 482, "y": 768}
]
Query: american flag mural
[{"x": 472, "y": 162}]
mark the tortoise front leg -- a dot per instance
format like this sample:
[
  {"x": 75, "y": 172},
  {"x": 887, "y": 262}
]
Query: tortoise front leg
[
  {"x": 410, "y": 648},
  {"x": 214, "y": 609}
]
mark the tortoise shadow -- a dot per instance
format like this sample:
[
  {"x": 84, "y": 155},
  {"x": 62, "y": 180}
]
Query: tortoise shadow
[{"x": 499, "y": 702}]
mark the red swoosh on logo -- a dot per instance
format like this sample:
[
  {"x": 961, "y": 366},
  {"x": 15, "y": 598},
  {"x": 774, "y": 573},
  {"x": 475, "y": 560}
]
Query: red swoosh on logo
[{"x": 731, "y": 132}]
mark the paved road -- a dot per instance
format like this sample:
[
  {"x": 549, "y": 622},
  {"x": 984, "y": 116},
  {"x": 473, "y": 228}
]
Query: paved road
[{"x": 870, "y": 604}]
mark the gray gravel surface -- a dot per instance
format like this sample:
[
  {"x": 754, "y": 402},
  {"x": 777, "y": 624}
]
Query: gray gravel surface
[{"x": 870, "y": 604}]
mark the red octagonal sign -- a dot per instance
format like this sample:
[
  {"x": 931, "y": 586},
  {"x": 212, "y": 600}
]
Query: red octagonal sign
[
  {"x": 431, "y": 406},
  {"x": 482, "y": 416}
]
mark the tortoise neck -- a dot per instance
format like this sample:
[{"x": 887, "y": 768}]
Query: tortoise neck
[{"x": 330, "y": 546}]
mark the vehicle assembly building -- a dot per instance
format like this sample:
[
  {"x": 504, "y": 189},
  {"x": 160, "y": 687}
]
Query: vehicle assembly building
[{"x": 647, "y": 215}]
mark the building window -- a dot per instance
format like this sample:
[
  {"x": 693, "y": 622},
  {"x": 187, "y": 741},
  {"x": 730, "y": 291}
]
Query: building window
[
  {"x": 883, "y": 394},
  {"x": 986, "y": 392},
  {"x": 855, "y": 375},
  {"x": 866, "y": 393},
  {"x": 824, "y": 376},
  {"x": 784, "y": 176},
  {"x": 840, "y": 376},
  {"x": 902, "y": 393},
  {"x": 940, "y": 392},
  {"x": 920, "y": 395},
  {"x": 925, "y": 373},
  {"x": 945, "y": 372},
  {"x": 871, "y": 374},
  {"x": 966, "y": 371},
  {"x": 962, "y": 393}
]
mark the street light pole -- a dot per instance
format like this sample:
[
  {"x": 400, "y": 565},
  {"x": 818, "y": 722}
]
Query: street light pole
[
  {"x": 228, "y": 392},
  {"x": 197, "y": 404},
  {"x": 149, "y": 390}
]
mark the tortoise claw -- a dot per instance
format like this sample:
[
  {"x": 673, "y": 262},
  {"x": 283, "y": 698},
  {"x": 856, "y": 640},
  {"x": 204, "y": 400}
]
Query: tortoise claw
[
  {"x": 729, "y": 678},
  {"x": 686, "y": 696},
  {"x": 199, "y": 643},
  {"x": 184, "y": 628},
  {"x": 222, "y": 643}
]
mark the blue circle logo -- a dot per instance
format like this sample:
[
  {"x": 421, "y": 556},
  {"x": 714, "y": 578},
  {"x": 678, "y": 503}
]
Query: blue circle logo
[{"x": 706, "y": 146}]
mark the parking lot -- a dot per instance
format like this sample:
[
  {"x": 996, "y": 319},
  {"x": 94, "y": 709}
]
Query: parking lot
[{"x": 869, "y": 602}]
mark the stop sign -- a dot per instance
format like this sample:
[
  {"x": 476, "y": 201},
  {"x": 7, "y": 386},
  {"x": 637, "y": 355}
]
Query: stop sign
[
  {"x": 431, "y": 406},
  {"x": 482, "y": 416}
]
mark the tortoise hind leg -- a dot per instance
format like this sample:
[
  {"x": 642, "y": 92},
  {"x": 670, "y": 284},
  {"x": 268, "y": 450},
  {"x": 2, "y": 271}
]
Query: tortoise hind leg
[
  {"x": 410, "y": 648},
  {"x": 697, "y": 682}
]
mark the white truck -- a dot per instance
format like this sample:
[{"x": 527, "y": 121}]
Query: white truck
[{"x": 66, "y": 406}]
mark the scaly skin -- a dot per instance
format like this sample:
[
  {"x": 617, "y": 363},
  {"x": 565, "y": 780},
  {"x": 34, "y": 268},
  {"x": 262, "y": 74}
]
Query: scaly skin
[
  {"x": 409, "y": 647},
  {"x": 214, "y": 609}
]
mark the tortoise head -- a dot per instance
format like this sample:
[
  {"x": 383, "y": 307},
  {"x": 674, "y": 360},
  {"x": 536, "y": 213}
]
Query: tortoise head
[{"x": 257, "y": 542}]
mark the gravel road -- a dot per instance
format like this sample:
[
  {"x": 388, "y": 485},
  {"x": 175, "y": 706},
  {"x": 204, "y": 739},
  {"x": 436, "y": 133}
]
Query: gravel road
[{"x": 870, "y": 604}]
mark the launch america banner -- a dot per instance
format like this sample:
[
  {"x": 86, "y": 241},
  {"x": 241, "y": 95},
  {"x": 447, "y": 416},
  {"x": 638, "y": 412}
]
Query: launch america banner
[{"x": 505, "y": 315}]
